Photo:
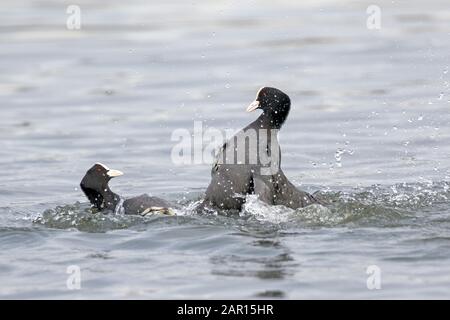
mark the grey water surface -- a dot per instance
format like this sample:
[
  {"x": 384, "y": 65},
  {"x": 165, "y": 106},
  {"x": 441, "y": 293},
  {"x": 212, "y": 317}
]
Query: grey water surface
[{"x": 368, "y": 130}]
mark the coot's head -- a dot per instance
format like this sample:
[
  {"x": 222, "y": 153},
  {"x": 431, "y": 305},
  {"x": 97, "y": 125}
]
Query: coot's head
[
  {"x": 273, "y": 102},
  {"x": 95, "y": 183}
]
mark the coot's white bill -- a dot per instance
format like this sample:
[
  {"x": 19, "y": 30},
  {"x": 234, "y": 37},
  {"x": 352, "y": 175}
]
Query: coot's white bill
[
  {"x": 253, "y": 106},
  {"x": 114, "y": 173}
]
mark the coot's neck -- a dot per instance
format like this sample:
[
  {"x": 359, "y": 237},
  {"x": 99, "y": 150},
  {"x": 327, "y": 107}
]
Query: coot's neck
[
  {"x": 110, "y": 199},
  {"x": 271, "y": 119}
]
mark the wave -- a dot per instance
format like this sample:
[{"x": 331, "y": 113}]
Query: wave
[
  {"x": 375, "y": 206},
  {"x": 82, "y": 217}
]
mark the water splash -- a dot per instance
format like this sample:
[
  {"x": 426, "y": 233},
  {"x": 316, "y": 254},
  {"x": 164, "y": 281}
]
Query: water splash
[
  {"x": 82, "y": 217},
  {"x": 339, "y": 153},
  {"x": 375, "y": 206}
]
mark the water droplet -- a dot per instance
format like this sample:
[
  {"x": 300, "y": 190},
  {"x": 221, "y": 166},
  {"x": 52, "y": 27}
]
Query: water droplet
[
  {"x": 227, "y": 86},
  {"x": 338, "y": 156}
]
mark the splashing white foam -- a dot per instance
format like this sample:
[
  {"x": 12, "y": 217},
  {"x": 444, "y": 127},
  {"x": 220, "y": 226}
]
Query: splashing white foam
[
  {"x": 265, "y": 212},
  {"x": 314, "y": 214}
]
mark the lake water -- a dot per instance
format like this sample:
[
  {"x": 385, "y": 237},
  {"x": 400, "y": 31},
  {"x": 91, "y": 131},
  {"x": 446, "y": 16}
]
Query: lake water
[{"x": 368, "y": 129}]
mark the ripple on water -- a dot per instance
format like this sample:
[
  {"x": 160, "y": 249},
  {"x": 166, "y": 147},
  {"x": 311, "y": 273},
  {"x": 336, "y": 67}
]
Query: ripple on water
[
  {"x": 83, "y": 218},
  {"x": 376, "y": 206}
]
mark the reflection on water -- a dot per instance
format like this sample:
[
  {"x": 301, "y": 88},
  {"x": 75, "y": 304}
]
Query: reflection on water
[
  {"x": 262, "y": 268},
  {"x": 275, "y": 262}
]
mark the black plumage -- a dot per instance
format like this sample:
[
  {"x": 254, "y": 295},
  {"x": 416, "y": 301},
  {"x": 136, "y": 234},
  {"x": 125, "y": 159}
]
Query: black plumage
[
  {"x": 250, "y": 162},
  {"x": 95, "y": 185}
]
